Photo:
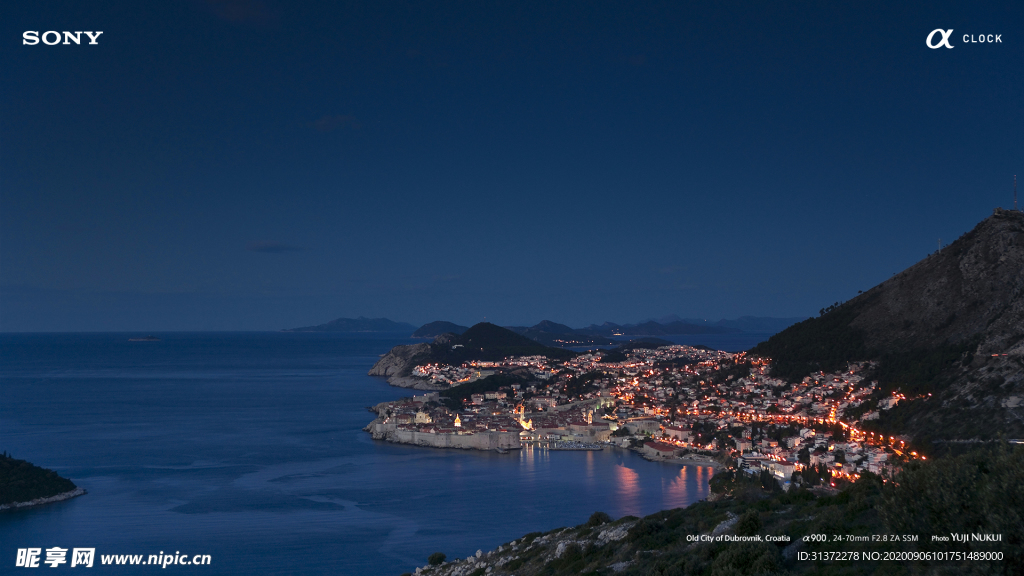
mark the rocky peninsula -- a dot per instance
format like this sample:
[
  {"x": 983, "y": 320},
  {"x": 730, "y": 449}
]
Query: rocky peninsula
[
  {"x": 483, "y": 341},
  {"x": 396, "y": 366},
  {"x": 23, "y": 484}
]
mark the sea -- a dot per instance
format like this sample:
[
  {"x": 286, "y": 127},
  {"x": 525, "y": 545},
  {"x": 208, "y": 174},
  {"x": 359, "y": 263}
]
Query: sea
[{"x": 248, "y": 447}]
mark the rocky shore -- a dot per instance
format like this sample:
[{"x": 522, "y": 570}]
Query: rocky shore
[
  {"x": 573, "y": 445},
  {"x": 682, "y": 460},
  {"x": 396, "y": 366},
  {"x": 40, "y": 501}
]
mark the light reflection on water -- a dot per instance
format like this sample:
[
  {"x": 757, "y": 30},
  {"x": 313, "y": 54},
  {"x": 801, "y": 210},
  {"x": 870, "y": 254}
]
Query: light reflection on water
[
  {"x": 274, "y": 475},
  {"x": 628, "y": 490}
]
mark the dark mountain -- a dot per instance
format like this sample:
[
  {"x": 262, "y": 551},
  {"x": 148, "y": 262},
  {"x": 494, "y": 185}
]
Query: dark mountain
[
  {"x": 360, "y": 324},
  {"x": 608, "y": 328},
  {"x": 554, "y": 334},
  {"x": 434, "y": 329},
  {"x": 483, "y": 341},
  {"x": 950, "y": 326},
  {"x": 551, "y": 327},
  {"x": 486, "y": 341}
]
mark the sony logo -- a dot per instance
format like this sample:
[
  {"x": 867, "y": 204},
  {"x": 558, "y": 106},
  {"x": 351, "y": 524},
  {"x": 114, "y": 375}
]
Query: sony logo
[{"x": 52, "y": 37}]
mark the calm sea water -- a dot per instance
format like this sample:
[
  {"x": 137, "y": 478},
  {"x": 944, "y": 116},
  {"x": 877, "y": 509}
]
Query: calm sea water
[{"x": 248, "y": 447}]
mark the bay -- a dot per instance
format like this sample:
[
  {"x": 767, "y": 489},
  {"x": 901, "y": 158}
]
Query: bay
[{"x": 249, "y": 447}]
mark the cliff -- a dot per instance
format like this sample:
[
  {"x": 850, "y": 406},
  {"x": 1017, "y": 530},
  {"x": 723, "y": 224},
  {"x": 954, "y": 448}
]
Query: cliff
[{"x": 398, "y": 363}]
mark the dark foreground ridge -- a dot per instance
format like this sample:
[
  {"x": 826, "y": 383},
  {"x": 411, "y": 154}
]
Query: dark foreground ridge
[
  {"x": 23, "y": 484},
  {"x": 749, "y": 526},
  {"x": 948, "y": 333}
]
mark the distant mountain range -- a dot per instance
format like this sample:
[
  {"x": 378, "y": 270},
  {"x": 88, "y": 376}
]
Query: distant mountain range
[
  {"x": 434, "y": 329},
  {"x": 360, "y": 324},
  {"x": 554, "y": 334}
]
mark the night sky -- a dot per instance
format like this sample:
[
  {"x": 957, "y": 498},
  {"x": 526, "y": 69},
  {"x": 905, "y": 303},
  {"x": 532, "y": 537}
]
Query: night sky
[{"x": 255, "y": 165}]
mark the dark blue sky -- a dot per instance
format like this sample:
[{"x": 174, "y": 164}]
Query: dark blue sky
[{"x": 245, "y": 164}]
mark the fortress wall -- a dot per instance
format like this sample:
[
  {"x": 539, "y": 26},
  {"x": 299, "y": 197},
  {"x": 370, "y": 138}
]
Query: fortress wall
[{"x": 477, "y": 441}]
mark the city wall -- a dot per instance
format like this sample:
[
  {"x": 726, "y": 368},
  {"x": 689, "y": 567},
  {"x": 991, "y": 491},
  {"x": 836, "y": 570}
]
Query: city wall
[{"x": 475, "y": 441}]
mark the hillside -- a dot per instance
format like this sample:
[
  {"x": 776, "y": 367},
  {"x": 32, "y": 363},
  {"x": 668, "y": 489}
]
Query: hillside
[
  {"x": 750, "y": 526},
  {"x": 22, "y": 482},
  {"x": 950, "y": 326},
  {"x": 359, "y": 324}
]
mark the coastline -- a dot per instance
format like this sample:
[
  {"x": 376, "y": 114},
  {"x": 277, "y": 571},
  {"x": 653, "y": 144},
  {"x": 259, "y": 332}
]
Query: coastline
[
  {"x": 42, "y": 501},
  {"x": 413, "y": 383},
  {"x": 486, "y": 441},
  {"x": 680, "y": 460},
  {"x": 501, "y": 442}
]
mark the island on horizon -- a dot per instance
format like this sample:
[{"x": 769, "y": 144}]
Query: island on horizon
[{"x": 553, "y": 333}]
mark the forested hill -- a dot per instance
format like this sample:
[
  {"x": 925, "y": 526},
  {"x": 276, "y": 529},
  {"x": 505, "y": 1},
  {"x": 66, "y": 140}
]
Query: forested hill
[
  {"x": 483, "y": 341},
  {"x": 486, "y": 341},
  {"x": 22, "y": 481},
  {"x": 951, "y": 325}
]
